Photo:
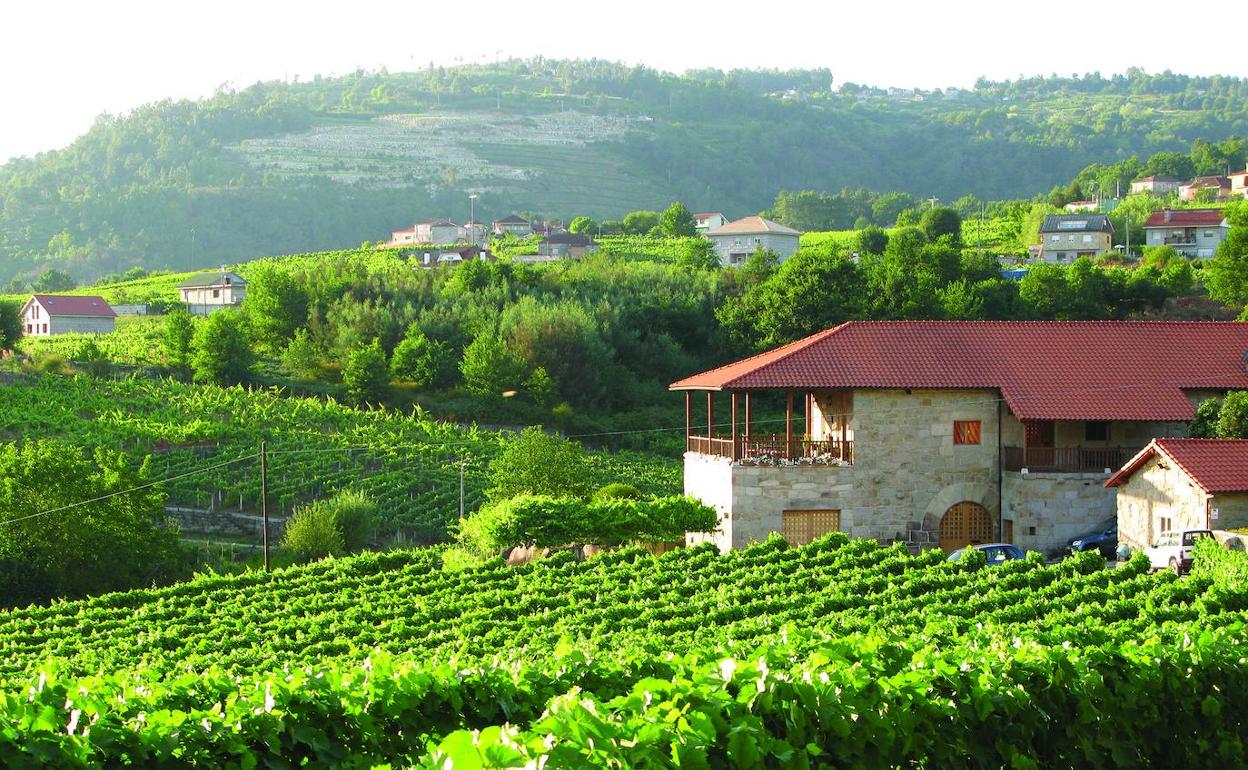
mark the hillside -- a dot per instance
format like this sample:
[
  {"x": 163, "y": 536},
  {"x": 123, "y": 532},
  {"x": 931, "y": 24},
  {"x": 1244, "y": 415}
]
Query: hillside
[
  {"x": 840, "y": 653},
  {"x": 283, "y": 167}
]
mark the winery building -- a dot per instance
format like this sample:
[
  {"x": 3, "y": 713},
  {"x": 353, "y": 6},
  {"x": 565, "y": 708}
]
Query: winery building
[{"x": 945, "y": 433}]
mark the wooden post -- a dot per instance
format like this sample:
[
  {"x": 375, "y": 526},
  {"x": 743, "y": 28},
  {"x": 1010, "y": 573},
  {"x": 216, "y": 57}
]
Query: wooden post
[
  {"x": 688, "y": 418},
  {"x": 844, "y": 419},
  {"x": 808, "y": 432},
  {"x": 788, "y": 426},
  {"x": 734, "y": 425},
  {"x": 264, "y": 502},
  {"x": 710, "y": 415}
]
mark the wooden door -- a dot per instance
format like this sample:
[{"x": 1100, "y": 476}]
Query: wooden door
[
  {"x": 1039, "y": 439},
  {"x": 802, "y": 527},
  {"x": 964, "y": 524}
]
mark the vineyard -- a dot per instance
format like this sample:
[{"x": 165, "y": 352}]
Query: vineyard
[
  {"x": 137, "y": 340},
  {"x": 409, "y": 464},
  {"x": 841, "y": 653}
]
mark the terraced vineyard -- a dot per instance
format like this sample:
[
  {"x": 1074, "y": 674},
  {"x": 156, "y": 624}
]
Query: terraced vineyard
[
  {"x": 410, "y": 464},
  {"x": 841, "y": 653}
]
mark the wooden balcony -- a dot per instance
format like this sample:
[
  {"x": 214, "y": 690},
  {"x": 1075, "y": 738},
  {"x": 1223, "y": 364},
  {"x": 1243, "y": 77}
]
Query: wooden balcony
[
  {"x": 1064, "y": 459},
  {"x": 773, "y": 449}
]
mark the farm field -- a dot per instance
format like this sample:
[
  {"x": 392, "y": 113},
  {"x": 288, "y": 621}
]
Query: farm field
[
  {"x": 840, "y": 653},
  {"x": 409, "y": 464}
]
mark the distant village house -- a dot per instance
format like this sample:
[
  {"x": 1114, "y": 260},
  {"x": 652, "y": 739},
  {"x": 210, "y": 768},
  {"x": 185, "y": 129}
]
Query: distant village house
[
  {"x": 1157, "y": 185},
  {"x": 1194, "y": 233},
  {"x": 737, "y": 240},
  {"x": 1206, "y": 188},
  {"x": 708, "y": 220},
  {"x": 212, "y": 290},
  {"x": 560, "y": 245},
  {"x": 1067, "y": 237},
  {"x": 512, "y": 225},
  {"x": 44, "y": 315}
]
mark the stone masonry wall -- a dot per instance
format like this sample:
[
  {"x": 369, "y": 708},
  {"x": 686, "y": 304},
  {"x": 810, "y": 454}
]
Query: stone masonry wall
[
  {"x": 1050, "y": 509},
  {"x": 1158, "y": 490}
]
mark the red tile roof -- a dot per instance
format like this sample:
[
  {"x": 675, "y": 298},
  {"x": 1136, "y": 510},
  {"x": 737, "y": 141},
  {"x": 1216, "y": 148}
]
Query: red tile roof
[
  {"x": 1045, "y": 370},
  {"x": 74, "y": 305},
  {"x": 1187, "y": 217},
  {"x": 705, "y": 214},
  {"x": 1216, "y": 465},
  {"x": 1209, "y": 181},
  {"x": 408, "y": 231}
]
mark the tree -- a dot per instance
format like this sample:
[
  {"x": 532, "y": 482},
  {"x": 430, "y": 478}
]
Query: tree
[
  {"x": 53, "y": 280},
  {"x": 10, "y": 325},
  {"x": 1226, "y": 277},
  {"x": 418, "y": 359},
  {"x": 871, "y": 240},
  {"x": 537, "y": 463},
  {"x": 640, "y": 222},
  {"x": 582, "y": 225},
  {"x": 676, "y": 221},
  {"x": 220, "y": 351},
  {"x": 339, "y": 525},
  {"x": 303, "y": 357},
  {"x": 1205, "y": 424},
  {"x": 113, "y": 543},
  {"x": 176, "y": 335},
  {"x": 277, "y": 304},
  {"x": 365, "y": 375},
  {"x": 940, "y": 221},
  {"x": 1233, "y": 416},
  {"x": 1174, "y": 164},
  {"x": 490, "y": 367},
  {"x": 698, "y": 254}
]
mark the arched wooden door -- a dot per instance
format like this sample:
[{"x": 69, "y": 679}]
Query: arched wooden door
[{"x": 964, "y": 524}]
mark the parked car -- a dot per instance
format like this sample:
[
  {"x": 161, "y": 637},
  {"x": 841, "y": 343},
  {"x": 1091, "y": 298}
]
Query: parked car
[
  {"x": 1105, "y": 541},
  {"x": 995, "y": 553},
  {"x": 1173, "y": 550}
]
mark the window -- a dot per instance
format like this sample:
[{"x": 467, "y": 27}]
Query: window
[
  {"x": 966, "y": 431},
  {"x": 1087, "y": 239},
  {"x": 216, "y": 293},
  {"x": 1096, "y": 430},
  {"x": 758, "y": 240},
  {"x": 802, "y": 527},
  {"x": 1054, "y": 238},
  {"x": 45, "y": 328},
  {"x": 1208, "y": 233},
  {"x": 1165, "y": 524}
]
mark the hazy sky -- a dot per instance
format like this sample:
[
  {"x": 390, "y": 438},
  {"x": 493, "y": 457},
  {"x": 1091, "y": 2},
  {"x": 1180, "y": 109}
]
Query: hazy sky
[{"x": 62, "y": 63}]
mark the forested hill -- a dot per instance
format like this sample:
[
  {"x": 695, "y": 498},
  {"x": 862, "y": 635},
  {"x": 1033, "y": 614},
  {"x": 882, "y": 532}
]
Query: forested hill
[{"x": 284, "y": 167}]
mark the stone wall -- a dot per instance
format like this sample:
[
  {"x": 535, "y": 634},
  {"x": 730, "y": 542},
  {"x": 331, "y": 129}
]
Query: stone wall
[
  {"x": 1048, "y": 510},
  {"x": 1157, "y": 490},
  {"x": 218, "y": 522}
]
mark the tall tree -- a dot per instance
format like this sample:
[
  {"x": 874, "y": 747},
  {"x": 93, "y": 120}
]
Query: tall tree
[
  {"x": 677, "y": 221},
  {"x": 221, "y": 352}
]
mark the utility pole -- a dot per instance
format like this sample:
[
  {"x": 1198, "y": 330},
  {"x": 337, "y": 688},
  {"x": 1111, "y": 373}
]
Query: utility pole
[
  {"x": 264, "y": 501},
  {"x": 472, "y": 216}
]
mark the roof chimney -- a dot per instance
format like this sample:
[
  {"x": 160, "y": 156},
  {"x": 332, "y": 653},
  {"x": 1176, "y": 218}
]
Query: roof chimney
[{"x": 1167, "y": 213}]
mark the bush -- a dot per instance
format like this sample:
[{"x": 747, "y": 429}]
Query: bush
[
  {"x": 222, "y": 353},
  {"x": 365, "y": 375},
  {"x": 537, "y": 463},
  {"x": 540, "y": 520},
  {"x": 616, "y": 491},
  {"x": 332, "y": 527},
  {"x": 52, "y": 363}
]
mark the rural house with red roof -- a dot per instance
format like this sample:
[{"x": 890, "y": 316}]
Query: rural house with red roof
[
  {"x": 708, "y": 220},
  {"x": 737, "y": 240},
  {"x": 945, "y": 432},
  {"x": 1178, "y": 484},
  {"x": 47, "y": 314},
  {"x": 1193, "y": 233}
]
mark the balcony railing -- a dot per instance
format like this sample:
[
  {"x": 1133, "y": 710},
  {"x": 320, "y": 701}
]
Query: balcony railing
[
  {"x": 1064, "y": 459},
  {"x": 773, "y": 448}
]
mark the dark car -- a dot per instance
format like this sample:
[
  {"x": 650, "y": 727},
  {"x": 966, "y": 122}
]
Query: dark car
[
  {"x": 994, "y": 553},
  {"x": 1105, "y": 541}
]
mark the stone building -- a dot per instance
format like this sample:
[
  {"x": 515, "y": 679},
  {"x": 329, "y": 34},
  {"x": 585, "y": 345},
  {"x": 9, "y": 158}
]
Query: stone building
[
  {"x": 737, "y": 240},
  {"x": 945, "y": 433},
  {"x": 47, "y": 314},
  {"x": 1181, "y": 484}
]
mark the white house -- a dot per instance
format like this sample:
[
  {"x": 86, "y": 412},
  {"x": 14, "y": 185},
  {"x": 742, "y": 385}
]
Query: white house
[
  {"x": 428, "y": 231},
  {"x": 212, "y": 290},
  {"x": 1192, "y": 232},
  {"x": 709, "y": 220},
  {"x": 1158, "y": 185},
  {"x": 737, "y": 240},
  {"x": 45, "y": 314}
]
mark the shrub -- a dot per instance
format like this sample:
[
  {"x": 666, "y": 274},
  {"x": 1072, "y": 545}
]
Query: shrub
[
  {"x": 540, "y": 520},
  {"x": 332, "y": 527},
  {"x": 52, "y": 363},
  {"x": 537, "y": 463},
  {"x": 616, "y": 491},
  {"x": 365, "y": 374}
]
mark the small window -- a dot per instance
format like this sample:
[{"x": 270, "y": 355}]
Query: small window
[
  {"x": 1054, "y": 238},
  {"x": 216, "y": 293},
  {"x": 966, "y": 431},
  {"x": 1087, "y": 239},
  {"x": 1096, "y": 430}
]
